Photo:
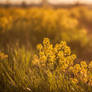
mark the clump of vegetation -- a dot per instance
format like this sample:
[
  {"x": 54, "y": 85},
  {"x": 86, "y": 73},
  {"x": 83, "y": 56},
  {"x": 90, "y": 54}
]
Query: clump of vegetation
[{"x": 51, "y": 69}]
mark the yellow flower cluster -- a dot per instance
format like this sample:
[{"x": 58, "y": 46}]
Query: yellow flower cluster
[
  {"x": 82, "y": 72},
  {"x": 54, "y": 56},
  {"x": 59, "y": 58}
]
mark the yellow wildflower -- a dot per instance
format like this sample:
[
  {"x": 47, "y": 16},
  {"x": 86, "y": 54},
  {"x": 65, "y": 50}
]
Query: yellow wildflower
[
  {"x": 39, "y": 47},
  {"x": 46, "y": 42},
  {"x": 90, "y": 66},
  {"x": 76, "y": 69},
  {"x": 83, "y": 64},
  {"x": 74, "y": 80}
]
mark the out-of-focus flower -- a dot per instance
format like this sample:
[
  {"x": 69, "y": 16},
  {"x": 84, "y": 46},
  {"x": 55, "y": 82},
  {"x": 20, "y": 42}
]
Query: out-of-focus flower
[
  {"x": 46, "y": 42},
  {"x": 90, "y": 66},
  {"x": 39, "y": 47},
  {"x": 74, "y": 80},
  {"x": 76, "y": 69},
  {"x": 83, "y": 64},
  {"x": 3, "y": 56}
]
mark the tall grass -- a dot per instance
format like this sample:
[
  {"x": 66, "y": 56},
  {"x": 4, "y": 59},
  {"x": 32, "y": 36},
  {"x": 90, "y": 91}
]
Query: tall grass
[{"x": 49, "y": 70}]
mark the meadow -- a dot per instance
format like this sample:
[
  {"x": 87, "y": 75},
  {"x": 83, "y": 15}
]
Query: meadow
[{"x": 45, "y": 49}]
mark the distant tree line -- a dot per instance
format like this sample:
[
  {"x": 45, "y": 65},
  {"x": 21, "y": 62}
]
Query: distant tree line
[{"x": 44, "y": 2}]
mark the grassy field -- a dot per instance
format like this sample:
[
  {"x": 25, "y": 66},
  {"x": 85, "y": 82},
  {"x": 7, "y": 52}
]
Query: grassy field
[{"x": 62, "y": 60}]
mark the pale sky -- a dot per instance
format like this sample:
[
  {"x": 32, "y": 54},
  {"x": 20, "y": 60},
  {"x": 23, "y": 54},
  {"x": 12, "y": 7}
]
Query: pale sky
[{"x": 51, "y": 1}]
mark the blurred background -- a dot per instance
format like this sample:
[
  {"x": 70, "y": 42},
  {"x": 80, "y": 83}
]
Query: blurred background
[{"x": 27, "y": 22}]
